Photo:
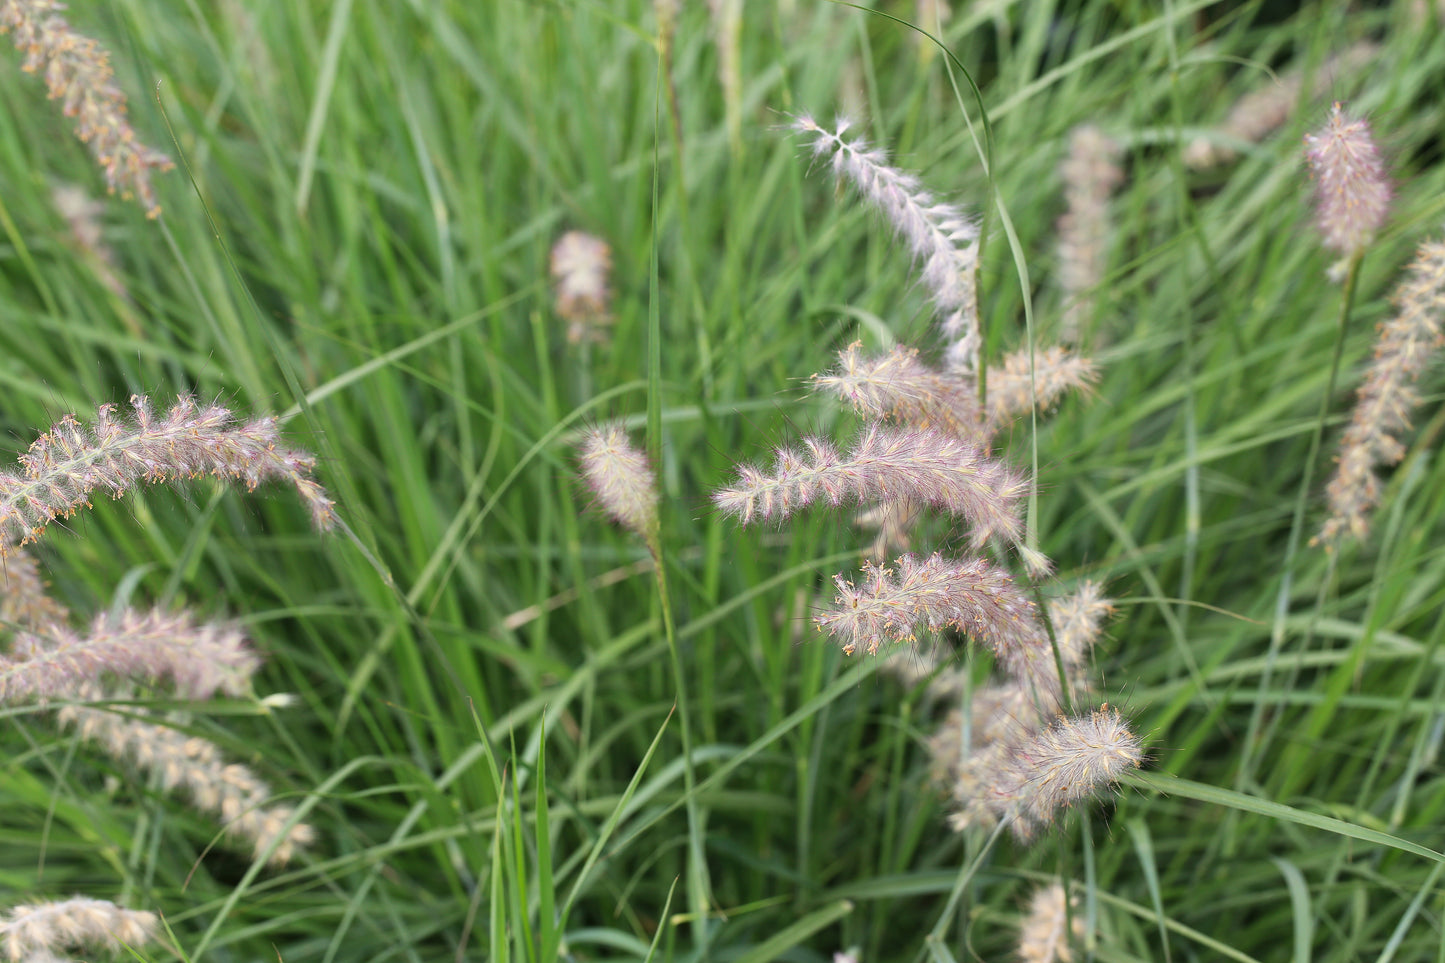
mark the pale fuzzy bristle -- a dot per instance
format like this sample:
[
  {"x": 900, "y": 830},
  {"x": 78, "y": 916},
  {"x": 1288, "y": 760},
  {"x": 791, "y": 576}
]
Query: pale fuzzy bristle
[
  {"x": 619, "y": 475},
  {"x": 200, "y": 659},
  {"x": 1352, "y": 194},
  {"x": 1078, "y": 620},
  {"x": 67, "y": 465},
  {"x": 940, "y": 236},
  {"x": 77, "y": 73},
  {"x": 581, "y": 265},
  {"x": 40, "y": 931},
  {"x": 25, "y": 602},
  {"x": 194, "y": 766},
  {"x": 899, "y": 387},
  {"x": 1261, "y": 112},
  {"x": 1090, "y": 173},
  {"x": 894, "y": 604},
  {"x": 885, "y": 463},
  {"x": 1023, "y": 383},
  {"x": 1404, "y": 347},
  {"x": 1045, "y": 931}
]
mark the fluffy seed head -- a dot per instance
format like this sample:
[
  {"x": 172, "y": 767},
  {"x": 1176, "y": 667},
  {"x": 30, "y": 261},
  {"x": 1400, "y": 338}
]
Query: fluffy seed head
[
  {"x": 192, "y": 765},
  {"x": 1405, "y": 345},
  {"x": 885, "y": 463},
  {"x": 1061, "y": 766},
  {"x": 39, "y": 931},
  {"x": 1045, "y": 932},
  {"x": 971, "y": 595},
  {"x": 581, "y": 265},
  {"x": 78, "y": 73},
  {"x": 1090, "y": 174},
  {"x": 618, "y": 474},
  {"x": 200, "y": 659},
  {"x": 941, "y": 237},
  {"x": 900, "y": 388},
  {"x": 69, "y": 463},
  {"x": 1017, "y": 387},
  {"x": 1352, "y": 195}
]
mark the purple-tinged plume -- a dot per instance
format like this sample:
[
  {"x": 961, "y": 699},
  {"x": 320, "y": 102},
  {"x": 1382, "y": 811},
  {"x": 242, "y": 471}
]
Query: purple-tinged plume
[
  {"x": 78, "y": 73},
  {"x": 618, "y": 474},
  {"x": 939, "y": 235},
  {"x": 1405, "y": 345},
  {"x": 200, "y": 659},
  {"x": 885, "y": 463},
  {"x": 899, "y": 387},
  {"x": 68, "y": 464},
  {"x": 1352, "y": 195}
]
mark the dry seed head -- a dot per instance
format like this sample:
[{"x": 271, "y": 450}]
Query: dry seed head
[
  {"x": 1016, "y": 388},
  {"x": 618, "y": 474},
  {"x": 195, "y": 766},
  {"x": 200, "y": 659},
  {"x": 974, "y": 596},
  {"x": 1060, "y": 766},
  {"x": 1261, "y": 112},
  {"x": 899, "y": 387},
  {"x": 941, "y": 237},
  {"x": 78, "y": 73},
  {"x": 1404, "y": 346},
  {"x": 39, "y": 931},
  {"x": 581, "y": 265},
  {"x": 24, "y": 601},
  {"x": 1045, "y": 933},
  {"x": 1352, "y": 195},
  {"x": 68, "y": 464},
  {"x": 885, "y": 463},
  {"x": 1090, "y": 174}
]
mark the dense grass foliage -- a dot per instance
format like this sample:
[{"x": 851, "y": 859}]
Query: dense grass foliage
[{"x": 491, "y": 691}]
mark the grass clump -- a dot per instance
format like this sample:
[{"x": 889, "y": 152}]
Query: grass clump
[{"x": 1082, "y": 361}]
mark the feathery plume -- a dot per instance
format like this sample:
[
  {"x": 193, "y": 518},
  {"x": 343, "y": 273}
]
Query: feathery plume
[
  {"x": 200, "y": 659},
  {"x": 78, "y": 73},
  {"x": 1405, "y": 345},
  {"x": 1078, "y": 620},
  {"x": 70, "y": 462},
  {"x": 24, "y": 601},
  {"x": 1352, "y": 195},
  {"x": 1014, "y": 390},
  {"x": 900, "y": 388},
  {"x": 885, "y": 463},
  {"x": 1261, "y": 112},
  {"x": 618, "y": 474},
  {"x": 1045, "y": 932},
  {"x": 38, "y": 931},
  {"x": 974, "y": 596},
  {"x": 581, "y": 264},
  {"x": 192, "y": 764},
  {"x": 1090, "y": 174},
  {"x": 1060, "y": 766},
  {"x": 82, "y": 215},
  {"x": 939, "y": 235}
]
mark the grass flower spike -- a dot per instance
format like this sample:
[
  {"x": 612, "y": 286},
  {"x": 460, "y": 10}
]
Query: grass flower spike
[
  {"x": 200, "y": 659},
  {"x": 899, "y": 387},
  {"x": 885, "y": 463},
  {"x": 940, "y": 235},
  {"x": 1352, "y": 195},
  {"x": 1405, "y": 345},
  {"x": 618, "y": 474},
  {"x": 37, "y": 932},
  {"x": 184, "y": 762},
  {"x": 78, "y": 73},
  {"x": 1045, "y": 933},
  {"x": 581, "y": 265},
  {"x": 1090, "y": 174},
  {"x": 65, "y": 466}
]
